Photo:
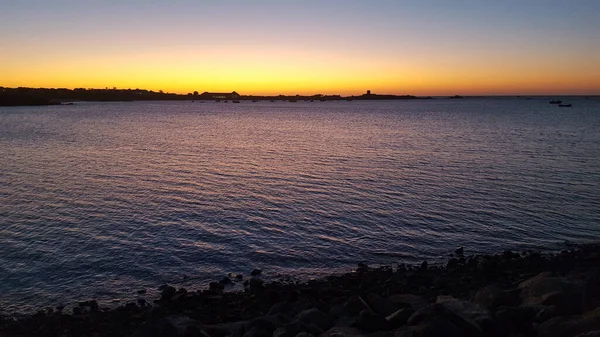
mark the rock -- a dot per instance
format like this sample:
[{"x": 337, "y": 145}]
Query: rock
[
  {"x": 459, "y": 251},
  {"x": 316, "y": 317},
  {"x": 465, "y": 309},
  {"x": 239, "y": 277},
  {"x": 141, "y": 302},
  {"x": 257, "y": 332},
  {"x": 158, "y": 328},
  {"x": 216, "y": 286},
  {"x": 224, "y": 330},
  {"x": 515, "y": 319},
  {"x": 592, "y": 291},
  {"x": 294, "y": 328},
  {"x": 380, "y": 305},
  {"x": 590, "y": 334},
  {"x": 452, "y": 263},
  {"x": 284, "y": 308},
  {"x": 424, "y": 265},
  {"x": 282, "y": 332},
  {"x": 167, "y": 293},
  {"x": 256, "y": 272},
  {"x": 256, "y": 284},
  {"x": 353, "y": 306},
  {"x": 508, "y": 255},
  {"x": 544, "y": 313},
  {"x": 92, "y": 305},
  {"x": 408, "y": 300},
  {"x": 194, "y": 331},
  {"x": 183, "y": 324},
  {"x": 370, "y": 321},
  {"x": 436, "y": 327},
  {"x": 345, "y": 321},
  {"x": 534, "y": 279},
  {"x": 468, "y": 327},
  {"x": 265, "y": 323},
  {"x": 546, "y": 290},
  {"x": 305, "y": 334},
  {"x": 141, "y": 291},
  {"x": 571, "y": 326},
  {"x": 225, "y": 280},
  {"x": 488, "y": 266},
  {"x": 400, "y": 317},
  {"x": 342, "y": 331},
  {"x": 492, "y": 297}
]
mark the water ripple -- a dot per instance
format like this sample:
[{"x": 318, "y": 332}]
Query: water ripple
[{"x": 98, "y": 200}]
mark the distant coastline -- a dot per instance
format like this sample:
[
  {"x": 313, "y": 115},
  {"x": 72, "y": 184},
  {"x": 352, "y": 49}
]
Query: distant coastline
[{"x": 24, "y": 96}]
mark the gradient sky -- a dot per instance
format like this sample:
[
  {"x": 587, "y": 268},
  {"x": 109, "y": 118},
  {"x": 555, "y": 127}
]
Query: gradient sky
[{"x": 423, "y": 47}]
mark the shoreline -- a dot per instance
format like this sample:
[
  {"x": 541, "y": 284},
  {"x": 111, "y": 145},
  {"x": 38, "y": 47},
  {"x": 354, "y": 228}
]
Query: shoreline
[{"x": 510, "y": 293}]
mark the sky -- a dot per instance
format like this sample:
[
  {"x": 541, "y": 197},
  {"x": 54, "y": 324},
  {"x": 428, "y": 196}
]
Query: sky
[{"x": 421, "y": 47}]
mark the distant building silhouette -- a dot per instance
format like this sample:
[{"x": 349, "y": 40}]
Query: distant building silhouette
[
  {"x": 368, "y": 92},
  {"x": 219, "y": 95}
]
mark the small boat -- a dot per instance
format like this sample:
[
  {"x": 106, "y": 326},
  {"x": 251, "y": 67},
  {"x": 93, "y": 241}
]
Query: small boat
[
  {"x": 235, "y": 101},
  {"x": 254, "y": 100},
  {"x": 555, "y": 101},
  {"x": 565, "y": 105},
  {"x": 293, "y": 100}
]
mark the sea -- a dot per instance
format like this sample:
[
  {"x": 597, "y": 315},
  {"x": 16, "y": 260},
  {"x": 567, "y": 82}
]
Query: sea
[{"x": 100, "y": 200}]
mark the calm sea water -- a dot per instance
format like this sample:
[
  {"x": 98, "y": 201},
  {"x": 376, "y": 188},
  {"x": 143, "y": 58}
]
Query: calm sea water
[{"x": 99, "y": 200}]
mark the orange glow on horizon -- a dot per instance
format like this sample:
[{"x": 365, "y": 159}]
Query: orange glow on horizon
[{"x": 264, "y": 71}]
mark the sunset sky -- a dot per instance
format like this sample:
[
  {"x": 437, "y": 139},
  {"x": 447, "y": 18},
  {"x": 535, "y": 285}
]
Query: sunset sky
[{"x": 421, "y": 47}]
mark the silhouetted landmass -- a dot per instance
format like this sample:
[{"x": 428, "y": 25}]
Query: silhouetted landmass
[
  {"x": 46, "y": 96},
  {"x": 501, "y": 295}
]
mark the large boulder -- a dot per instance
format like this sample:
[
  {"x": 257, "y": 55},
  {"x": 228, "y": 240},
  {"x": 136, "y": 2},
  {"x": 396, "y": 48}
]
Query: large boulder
[
  {"x": 492, "y": 297},
  {"x": 462, "y": 321},
  {"x": 400, "y": 317},
  {"x": 263, "y": 325},
  {"x": 590, "y": 334},
  {"x": 285, "y": 308},
  {"x": 570, "y": 326},
  {"x": 370, "y": 321},
  {"x": 432, "y": 327},
  {"x": 416, "y": 302},
  {"x": 545, "y": 290},
  {"x": 592, "y": 291},
  {"x": 316, "y": 317},
  {"x": 353, "y": 306},
  {"x": 381, "y": 305},
  {"x": 515, "y": 320},
  {"x": 296, "y": 327},
  {"x": 185, "y": 325},
  {"x": 468, "y": 310},
  {"x": 342, "y": 331}
]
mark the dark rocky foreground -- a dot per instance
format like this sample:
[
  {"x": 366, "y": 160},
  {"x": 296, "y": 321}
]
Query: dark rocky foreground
[{"x": 509, "y": 294}]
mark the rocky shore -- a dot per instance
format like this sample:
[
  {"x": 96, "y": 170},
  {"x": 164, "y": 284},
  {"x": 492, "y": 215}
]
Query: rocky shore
[{"x": 508, "y": 294}]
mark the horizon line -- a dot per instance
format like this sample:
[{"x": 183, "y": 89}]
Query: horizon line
[{"x": 366, "y": 92}]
